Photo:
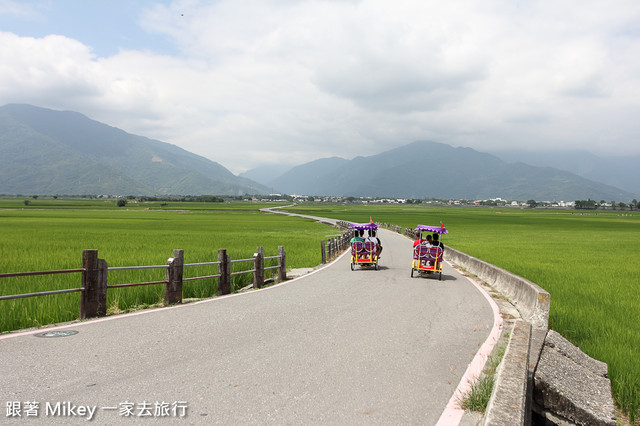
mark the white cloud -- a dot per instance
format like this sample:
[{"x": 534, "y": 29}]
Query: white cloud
[
  {"x": 291, "y": 81},
  {"x": 46, "y": 69}
]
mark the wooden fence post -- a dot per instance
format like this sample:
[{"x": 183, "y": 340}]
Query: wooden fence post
[
  {"x": 258, "y": 265},
  {"x": 282, "y": 270},
  {"x": 322, "y": 250},
  {"x": 224, "y": 270},
  {"x": 333, "y": 248},
  {"x": 93, "y": 302},
  {"x": 173, "y": 277}
]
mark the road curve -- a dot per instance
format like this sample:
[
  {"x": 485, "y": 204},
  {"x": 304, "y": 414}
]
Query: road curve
[{"x": 333, "y": 347}]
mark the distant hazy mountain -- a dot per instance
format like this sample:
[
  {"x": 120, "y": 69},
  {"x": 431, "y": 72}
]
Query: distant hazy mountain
[
  {"x": 618, "y": 171},
  {"x": 265, "y": 174},
  {"x": 311, "y": 178},
  {"x": 430, "y": 169},
  {"x": 63, "y": 152}
]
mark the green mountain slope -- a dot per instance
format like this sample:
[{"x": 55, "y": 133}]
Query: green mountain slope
[{"x": 67, "y": 153}]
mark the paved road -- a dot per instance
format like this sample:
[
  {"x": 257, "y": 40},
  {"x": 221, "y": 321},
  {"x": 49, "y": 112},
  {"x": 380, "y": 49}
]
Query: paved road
[{"x": 334, "y": 347}]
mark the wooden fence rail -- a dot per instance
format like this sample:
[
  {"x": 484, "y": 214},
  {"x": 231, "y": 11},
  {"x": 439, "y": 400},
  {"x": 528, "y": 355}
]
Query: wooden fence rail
[
  {"x": 334, "y": 246},
  {"x": 93, "y": 299}
]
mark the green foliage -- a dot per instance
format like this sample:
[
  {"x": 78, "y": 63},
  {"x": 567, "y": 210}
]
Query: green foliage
[
  {"x": 478, "y": 397},
  {"x": 586, "y": 204}
]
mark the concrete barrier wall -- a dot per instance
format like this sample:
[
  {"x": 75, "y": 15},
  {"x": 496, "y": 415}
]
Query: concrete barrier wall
[
  {"x": 531, "y": 300},
  {"x": 508, "y": 404},
  {"x": 514, "y": 380}
]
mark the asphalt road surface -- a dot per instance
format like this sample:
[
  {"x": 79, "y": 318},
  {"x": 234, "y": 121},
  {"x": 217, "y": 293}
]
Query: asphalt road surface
[{"x": 333, "y": 347}]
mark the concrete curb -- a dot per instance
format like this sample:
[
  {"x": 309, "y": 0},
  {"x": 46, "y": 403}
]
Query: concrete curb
[
  {"x": 531, "y": 300},
  {"x": 508, "y": 402},
  {"x": 453, "y": 413},
  {"x": 533, "y": 303}
]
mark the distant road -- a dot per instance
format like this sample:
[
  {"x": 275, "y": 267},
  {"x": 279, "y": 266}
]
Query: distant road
[{"x": 333, "y": 347}]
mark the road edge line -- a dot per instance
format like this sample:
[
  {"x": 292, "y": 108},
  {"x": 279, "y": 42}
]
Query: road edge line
[{"x": 452, "y": 414}]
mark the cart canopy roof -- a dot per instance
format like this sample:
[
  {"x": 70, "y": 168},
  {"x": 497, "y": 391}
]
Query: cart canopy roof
[
  {"x": 437, "y": 229},
  {"x": 367, "y": 225}
]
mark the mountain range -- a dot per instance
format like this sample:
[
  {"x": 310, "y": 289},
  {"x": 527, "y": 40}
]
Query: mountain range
[
  {"x": 615, "y": 170},
  {"x": 426, "y": 169},
  {"x": 64, "y": 152}
]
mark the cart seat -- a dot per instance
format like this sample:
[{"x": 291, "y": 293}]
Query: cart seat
[
  {"x": 427, "y": 253},
  {"x": 364, "y": 248}
]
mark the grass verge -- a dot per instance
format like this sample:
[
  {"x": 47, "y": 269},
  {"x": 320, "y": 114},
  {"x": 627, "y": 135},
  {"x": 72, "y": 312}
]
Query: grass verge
[{"x": 479, "y": 395}]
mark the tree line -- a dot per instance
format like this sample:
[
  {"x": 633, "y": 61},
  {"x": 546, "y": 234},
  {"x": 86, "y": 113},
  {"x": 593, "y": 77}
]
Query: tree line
[
  {"x": 182, "y": 198},
  {"x": 593, "y": 205}
]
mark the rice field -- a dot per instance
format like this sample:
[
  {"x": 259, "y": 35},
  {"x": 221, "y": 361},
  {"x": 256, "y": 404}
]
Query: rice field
[
  {"x": 587, "y": 261},
  {"x": 43, "y": 237}
]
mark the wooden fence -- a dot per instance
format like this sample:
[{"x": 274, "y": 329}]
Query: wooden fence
[
  {"x": 94, "y": 274},
  {"x": 334, "y": 246},
  {"x": 339, "y": 243},
  {"x": 411, "y": 233}
]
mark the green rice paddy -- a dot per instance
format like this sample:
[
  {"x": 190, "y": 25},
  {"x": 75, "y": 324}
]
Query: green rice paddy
[{"x": 50, "y": 235}]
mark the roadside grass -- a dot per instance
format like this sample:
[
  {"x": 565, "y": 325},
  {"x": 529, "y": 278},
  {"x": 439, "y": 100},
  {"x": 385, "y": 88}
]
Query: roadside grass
[
  {"x": 39, "y": 239},
  {"x": 477, "y": 399},
  {"x": 586, "y": 260}
]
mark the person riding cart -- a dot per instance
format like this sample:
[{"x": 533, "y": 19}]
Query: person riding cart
[
  {"x": 428, "y": 250},
  {"x": 364, "y": 253}
]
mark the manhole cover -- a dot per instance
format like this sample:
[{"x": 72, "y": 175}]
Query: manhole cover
[{"x": 64, "y": 333}]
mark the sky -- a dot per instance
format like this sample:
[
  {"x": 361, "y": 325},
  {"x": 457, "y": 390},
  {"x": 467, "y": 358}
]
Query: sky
[{"x": 261, "y": 82}]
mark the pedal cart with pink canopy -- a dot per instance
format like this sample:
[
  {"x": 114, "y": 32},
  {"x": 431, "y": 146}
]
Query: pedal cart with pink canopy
[
  {"x": 364, "y": 254},
  {"x": 428, "y": 258}
]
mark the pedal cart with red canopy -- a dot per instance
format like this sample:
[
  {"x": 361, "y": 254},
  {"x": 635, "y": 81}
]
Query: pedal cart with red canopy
[
  {"x": 364, "y": 253},
  {"x": 428, "y": 258}
]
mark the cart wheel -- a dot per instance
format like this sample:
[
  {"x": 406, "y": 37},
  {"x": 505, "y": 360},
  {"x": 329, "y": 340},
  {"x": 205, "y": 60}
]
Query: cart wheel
[
  {"x": 376, "y": 266},
  {"x": 352, "y": 268},
  {"x": 411, "y": 272},
  {"x": 440, "y": 276}
]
